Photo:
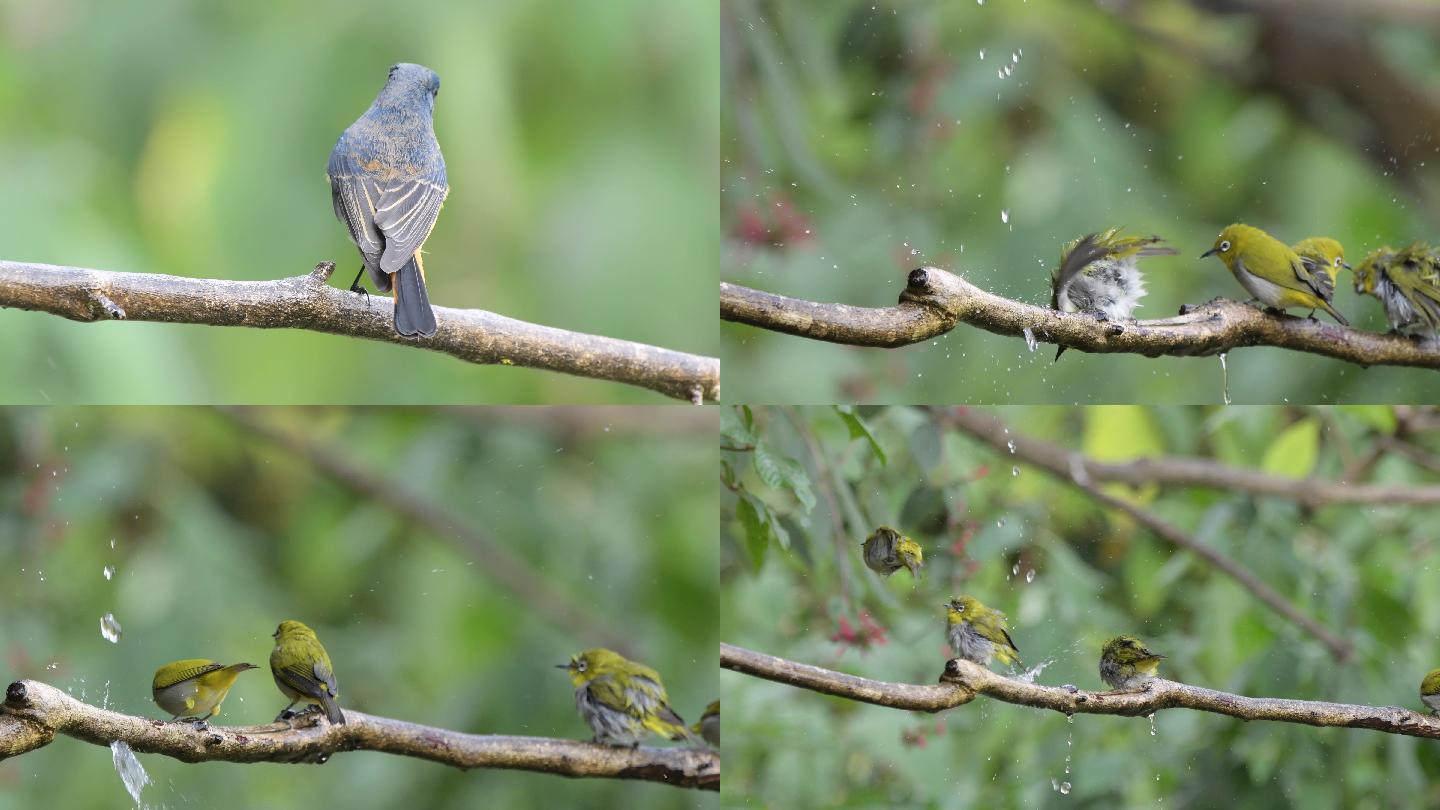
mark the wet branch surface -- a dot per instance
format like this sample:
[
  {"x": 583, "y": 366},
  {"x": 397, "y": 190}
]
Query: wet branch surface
[
  {"x": 936, "y": 301},
  {"x": 962, "y": 681},
  {"x": 984, "y": 428},
  {"x": 309, "y": 302},
  {"x": 1169, "y": 471},
  {"x": 34, "y": 713}
]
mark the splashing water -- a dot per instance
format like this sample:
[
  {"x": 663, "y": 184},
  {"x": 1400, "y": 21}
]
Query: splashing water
[
  {"x": 1030, "y": 342},
  {"x": 1062, "y": 787},
  {"x": 109, "y": 572},
  {"x": 132, "y": 773},
  {"x": 1030, "y": 576},
  {"x": 1152, "y": 723},
  {"x": 1224, "y": 379},
  {"x": 109, "y": 628},
  {"x": 1029, "y": 675},
  {"x": 1010, "y": 444}
]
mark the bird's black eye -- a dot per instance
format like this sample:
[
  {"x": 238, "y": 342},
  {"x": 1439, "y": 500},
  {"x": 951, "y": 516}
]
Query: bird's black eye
[
  {"x": 1224, "y": 245},
  {"x": 959, "y": 608},
  {"x": 1338, "y": 260},
  {"x": 580, "y": 666}
]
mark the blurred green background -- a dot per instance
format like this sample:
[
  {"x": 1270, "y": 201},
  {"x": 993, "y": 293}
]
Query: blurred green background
[
  {"x": 1070, "y": 575},
  {"x": 215, "y": 535},
  {"x": 864, "y": 138},
  {"x": 191, "y": 138}
]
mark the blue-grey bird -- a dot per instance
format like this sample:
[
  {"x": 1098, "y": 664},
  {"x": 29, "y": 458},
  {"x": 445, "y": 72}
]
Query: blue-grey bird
[{"x": 387, "y": 180}]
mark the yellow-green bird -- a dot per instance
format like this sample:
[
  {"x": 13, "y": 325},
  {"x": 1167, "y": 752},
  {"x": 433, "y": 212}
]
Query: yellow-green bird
[
  {"x": 1430, "y": 692},
  {"x": 709, "y": 724},
  {"x": 978, "y": 633},
  {"x": 1269, "y": 270},
  {"x": 1126, "y": 663},
  {"x": 1323, "y": 257},
  {"x": 1099, "y": 274},
  {"x": 194, "y": 688},
  {"x": 620, "y": 699},
  {"x": 887, "y": 551},
  {"x": 1407, "y": 282},
  {"x": 302, "y": 670}
]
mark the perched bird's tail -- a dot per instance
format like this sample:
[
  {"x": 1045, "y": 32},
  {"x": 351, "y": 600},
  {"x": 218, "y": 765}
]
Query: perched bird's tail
[
  {"x": 332, "y": 709},
  {"x": 1325, "y": 305},
  {"x": 413, "y": 315}
]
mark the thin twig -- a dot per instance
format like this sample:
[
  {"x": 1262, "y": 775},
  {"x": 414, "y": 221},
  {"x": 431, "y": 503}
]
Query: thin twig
[
  {"x": 936, "y": 301},
  {"x": 1170, "y": 471},
  {"x": 970, "y": 422},
  {"x": 497, "y": 561},
  {"x": 34, "y": 713},
  {"x": 963, "y": 680},
  {"x": 308, "y": 302}
]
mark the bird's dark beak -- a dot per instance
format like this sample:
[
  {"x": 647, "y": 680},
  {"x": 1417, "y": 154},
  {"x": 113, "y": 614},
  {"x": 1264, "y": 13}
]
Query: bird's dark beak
[
  {"x": 1346, "y": 265},
  {"x": 1210, "y": 252},
  {"x": 562, "y": 666}
]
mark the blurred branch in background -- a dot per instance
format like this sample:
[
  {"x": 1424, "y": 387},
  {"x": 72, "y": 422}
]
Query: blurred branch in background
[
  {"x": 579, "y": 421},
  {"x": 1182, "y": 472},
  {"x": 963, "y": 680},
  {"x": 34, "y": 712},
  {"x": 496, "y": 561},
  {"x": 990, "y": 431},
  {"x": 935, "y": 301},
  {"x": 308, "y": 302}
]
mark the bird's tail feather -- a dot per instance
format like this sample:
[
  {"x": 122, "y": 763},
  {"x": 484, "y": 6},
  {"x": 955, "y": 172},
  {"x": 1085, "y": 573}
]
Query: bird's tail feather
[
  {"x": 332, "y": 709},
  {"x": 413, "y": 315}
]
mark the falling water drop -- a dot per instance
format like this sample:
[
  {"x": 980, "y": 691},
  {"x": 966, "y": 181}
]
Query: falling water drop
[
  {"x": 1030, "y": 342},
  {"x": 109, "y": 628},
  {"x": 1030, "y": 576},
  {"x": 1005, "y": 215},
  {"x": 1014, "y": 472},
  {"x": 1152, "y": 723},
  {"x": 1224, "y": 379},
  {"x": 132, "y": 773},
  {"x": 109, "y": 572},
  {"x": 1010, "y": 445}
]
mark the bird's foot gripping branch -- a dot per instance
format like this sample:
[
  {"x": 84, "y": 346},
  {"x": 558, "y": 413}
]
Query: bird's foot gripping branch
[
  {"x": 962, "y": 681},
  {"x": 34, "y": 713},
  {"x": 935, "y": 301},
  {"x": 309, "y": 302}
]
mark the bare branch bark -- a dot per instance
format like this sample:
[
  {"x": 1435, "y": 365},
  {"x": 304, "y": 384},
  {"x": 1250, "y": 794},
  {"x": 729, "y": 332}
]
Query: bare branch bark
[
  {"x": 963, "y": 680},
  {"x": 308, "y": 302},
  {"x": 1184, "y": 472},
  {"x": 967, "y": 421},
  {"x": 34, "y": 713},
  {"x": 936, "y": 301},
  {"x": 497, "y": 561}
]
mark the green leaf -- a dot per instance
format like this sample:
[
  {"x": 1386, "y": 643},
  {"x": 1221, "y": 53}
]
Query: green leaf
[
  {"x": 1380, "y": 417},
  {"x": 734, "y": 430},
  {"x": 767, "y": 466},
  {"x": 779, "y": 472},
  {"x": 859, "y": 430},
  {"x": 757, "y": 529},
  {"x": 1294, "y": 451}
]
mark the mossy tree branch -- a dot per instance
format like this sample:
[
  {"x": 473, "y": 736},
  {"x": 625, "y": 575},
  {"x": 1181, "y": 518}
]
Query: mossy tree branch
[
  {"x": 962, "y": 681},
  {"x": 309, "y": 302},
  {"x": 34, "y": 713},
  {"x": 936, "y": 301}
]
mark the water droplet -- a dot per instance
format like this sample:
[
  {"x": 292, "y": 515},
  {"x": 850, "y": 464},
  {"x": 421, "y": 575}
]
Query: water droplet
[
  {"x": 132, "y": 773},
  {"x": 1014, "y": 472},
  {"x": 1224, "y": 379},
  {"x": 53, "y": 665},
  {"x": 1030, "y": 576},
  {"x": 112, "y": 542},
  {"x": 1152, "y": 723},
  {"x": 1030, "y": 342},
  {"x": 109, "y": 628},
  {"x": 1015, "y": 569},
  {"x": 1065, "y": 788},
  {"x": 1005, "y": 215},
  {"x": 1010, "y": 445},
  {"x": 982, "y": 54},
  {"x": 109, "y": 572}
]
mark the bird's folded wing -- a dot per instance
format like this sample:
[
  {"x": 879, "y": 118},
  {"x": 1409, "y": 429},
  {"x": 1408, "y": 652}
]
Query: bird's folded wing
[
  {"x": 405, "y": 213},
  {"x": 298, "y": 678},
  {"x": 186, "y": 674},
  {"x": 355, "y": 196}
]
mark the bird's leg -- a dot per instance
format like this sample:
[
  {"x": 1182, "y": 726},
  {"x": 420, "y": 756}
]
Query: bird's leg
[
  {"x": 285, "y": 713},
  {"x": 356, "y": 288},
  {"x": 200, "y": 723},
  {"x": 1098, "y": 314}
]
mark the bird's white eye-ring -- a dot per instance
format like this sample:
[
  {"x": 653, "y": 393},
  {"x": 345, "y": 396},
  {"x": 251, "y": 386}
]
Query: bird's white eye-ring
[
  {"x": 1338, "y": 261},
  {"x": 580, "y": 665},
  {"x": 1224, "y": 245}
]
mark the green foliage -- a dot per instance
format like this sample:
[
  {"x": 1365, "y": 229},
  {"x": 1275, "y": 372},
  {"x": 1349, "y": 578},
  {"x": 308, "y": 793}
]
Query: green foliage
[
  {"x": 863, "y": 139},
  {"x": 1070, "y": 575},
  {"x": 212, "y": 536},
  {"x": 191, "y": 139}
]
